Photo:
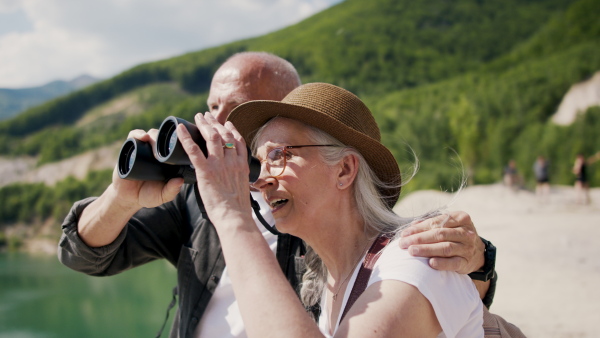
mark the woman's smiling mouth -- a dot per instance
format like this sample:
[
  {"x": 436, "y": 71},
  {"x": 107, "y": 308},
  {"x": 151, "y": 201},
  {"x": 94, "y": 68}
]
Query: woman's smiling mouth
[{"x": 277, "y": 204}]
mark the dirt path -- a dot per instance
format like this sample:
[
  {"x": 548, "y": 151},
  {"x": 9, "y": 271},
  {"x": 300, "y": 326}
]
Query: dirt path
[{"x": 548, "y": 255}]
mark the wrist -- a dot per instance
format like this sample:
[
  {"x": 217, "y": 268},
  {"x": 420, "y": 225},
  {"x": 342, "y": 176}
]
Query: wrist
[
  {"x": 115, "y": 200},
  {"x": 231, "y": 221},
  {"x": 486, "y": 272}
]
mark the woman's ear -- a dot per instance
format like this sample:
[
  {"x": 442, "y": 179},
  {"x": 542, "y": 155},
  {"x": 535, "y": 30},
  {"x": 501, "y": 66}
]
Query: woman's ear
[{"x": 348, "y": 171}]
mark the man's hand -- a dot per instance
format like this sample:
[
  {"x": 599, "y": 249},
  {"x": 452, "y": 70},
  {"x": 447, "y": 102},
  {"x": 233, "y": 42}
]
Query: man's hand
[
  {"x": 450, "y": 240},
  {"x": 103, "y": 220},
  {"x": 147, "y": 194}
]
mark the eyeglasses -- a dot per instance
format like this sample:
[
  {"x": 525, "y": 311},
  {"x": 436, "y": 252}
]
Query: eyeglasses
[{"x": 277, "y": 158}]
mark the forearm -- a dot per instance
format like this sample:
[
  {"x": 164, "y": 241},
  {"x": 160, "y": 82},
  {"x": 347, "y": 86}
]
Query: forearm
[
  {"x": 152, "y": 233},
  {"x": 264, "y": 295},
  {"x": 103, "y": 220}
]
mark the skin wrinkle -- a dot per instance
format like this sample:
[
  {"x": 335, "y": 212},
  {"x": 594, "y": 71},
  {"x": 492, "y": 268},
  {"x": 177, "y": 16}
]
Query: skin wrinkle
[{"x": 289, "y": 184}]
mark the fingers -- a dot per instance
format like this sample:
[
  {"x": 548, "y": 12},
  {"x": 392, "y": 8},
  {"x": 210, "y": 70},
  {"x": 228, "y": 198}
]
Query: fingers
[
  {"x": 151, "y": 137},
  {"x": 171, "y": 189},
  {"x": 451, "y": 240},
  {"x": 220, "y": 136},
  {"x": 450, "y": 220},
  {"x": 217, "y": 137},
  {"x": 137, "y": 133},
  {"x": 457, "y": 264},
  {"x": 450, "y": 256},
  {"x": 240, "y": 143},
  {"x": 442, "y": 249},
  {"x": 228, "y": 133},
  {"x": 211, "y": 134},
  {"x": 438, "y": 235},
  {"x": 144, "y": 136},
  {"x": 191, "y": 148}
]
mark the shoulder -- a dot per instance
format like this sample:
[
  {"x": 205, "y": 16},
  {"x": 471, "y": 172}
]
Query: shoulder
[
  {"x": 453, "y": 296},
  {"x": 396, "y": 263}
]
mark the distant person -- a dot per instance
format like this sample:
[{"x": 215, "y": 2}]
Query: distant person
[
  {"x": 541, "y": 169},
  {"x": 512, "y": 179},
  {"x": 582, "y": 187},
  {"x": 133, "y": 223}
]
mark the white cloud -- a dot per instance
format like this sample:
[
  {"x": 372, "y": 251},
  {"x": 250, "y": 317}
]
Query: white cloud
[
  {"x": 101, "y": 38},
  {"x": 7, "y": 6}
]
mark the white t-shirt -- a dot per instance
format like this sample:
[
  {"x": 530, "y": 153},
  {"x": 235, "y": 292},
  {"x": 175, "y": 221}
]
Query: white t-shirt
[
  {"x": 222, "y": 316},
  {"x": 453, "y": 296}
]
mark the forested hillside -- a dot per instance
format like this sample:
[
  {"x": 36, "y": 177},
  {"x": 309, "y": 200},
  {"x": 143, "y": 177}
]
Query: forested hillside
[{"x": 478, "y": 77}]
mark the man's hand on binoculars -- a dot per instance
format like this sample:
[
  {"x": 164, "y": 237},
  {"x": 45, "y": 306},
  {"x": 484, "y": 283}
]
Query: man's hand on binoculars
[{"x": 145, "y": 194}]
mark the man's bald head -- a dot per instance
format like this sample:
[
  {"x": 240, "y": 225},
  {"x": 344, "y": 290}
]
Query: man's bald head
[{"x": 250, "y": 76}]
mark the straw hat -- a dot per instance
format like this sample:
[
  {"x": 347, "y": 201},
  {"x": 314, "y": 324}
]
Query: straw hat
[{"x": 337, "y": 112}]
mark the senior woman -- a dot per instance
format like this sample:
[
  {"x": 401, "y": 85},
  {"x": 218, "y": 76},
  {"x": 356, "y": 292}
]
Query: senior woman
[{"x": 329, "y": 181}]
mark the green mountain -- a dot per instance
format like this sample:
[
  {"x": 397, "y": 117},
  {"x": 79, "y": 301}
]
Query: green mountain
[
  {"x": 14, "y": 101},
  {"x": 481, "y": 78}
]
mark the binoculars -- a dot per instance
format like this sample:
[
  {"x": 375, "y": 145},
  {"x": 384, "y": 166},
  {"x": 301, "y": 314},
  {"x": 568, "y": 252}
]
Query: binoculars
[{"x": 138, "y": 162}]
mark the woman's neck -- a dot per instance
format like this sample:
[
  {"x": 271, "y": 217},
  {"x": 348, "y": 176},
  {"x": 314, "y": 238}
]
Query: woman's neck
[{"x": 341, "y": 243}]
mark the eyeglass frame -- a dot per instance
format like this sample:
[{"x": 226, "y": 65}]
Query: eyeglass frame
[{"x": 284, "y": 149}]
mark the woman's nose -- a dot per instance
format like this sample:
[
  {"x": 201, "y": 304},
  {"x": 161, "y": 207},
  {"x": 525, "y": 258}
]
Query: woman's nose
[{"x": 264, "y": 178}]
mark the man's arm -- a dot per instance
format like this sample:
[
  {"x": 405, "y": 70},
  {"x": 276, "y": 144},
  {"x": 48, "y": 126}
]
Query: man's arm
[
  {"x": 103, "y": 220},
  {"x": 150, "y": 234},
  {"x": 97, "y": 229}
]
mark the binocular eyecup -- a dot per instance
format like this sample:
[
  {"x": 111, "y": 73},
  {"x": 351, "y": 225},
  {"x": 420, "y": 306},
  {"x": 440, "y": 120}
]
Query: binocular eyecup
[{"x": 138, "y": 162}]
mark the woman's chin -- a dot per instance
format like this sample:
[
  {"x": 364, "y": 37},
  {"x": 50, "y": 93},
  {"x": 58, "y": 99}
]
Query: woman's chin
[{"x": 284, "y": 226}]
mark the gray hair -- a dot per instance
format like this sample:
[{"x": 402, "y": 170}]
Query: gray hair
[{"x": 377, "y": 217}]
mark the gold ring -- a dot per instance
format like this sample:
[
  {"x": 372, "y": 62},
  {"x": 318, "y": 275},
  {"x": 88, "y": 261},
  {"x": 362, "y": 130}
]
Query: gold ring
[{"x": 229, "y": 146}]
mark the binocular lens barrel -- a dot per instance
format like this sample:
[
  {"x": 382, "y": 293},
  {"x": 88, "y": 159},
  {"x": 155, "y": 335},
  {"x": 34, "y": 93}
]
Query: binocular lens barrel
[
  {"x": 137, "y": 161},
  {"x": 172, "y": 141},
  {"x": 127, "y": 157},
  {"x": 169, "y": 149},
  {"x": 167, "y": 139}
]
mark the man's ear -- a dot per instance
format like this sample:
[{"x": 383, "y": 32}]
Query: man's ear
[{"x": 348, "y": 170}]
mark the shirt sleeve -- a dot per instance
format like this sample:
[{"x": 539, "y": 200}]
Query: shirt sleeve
[
  {"x": 152, "y": 233},
  {"x": 453, "y": 296}
]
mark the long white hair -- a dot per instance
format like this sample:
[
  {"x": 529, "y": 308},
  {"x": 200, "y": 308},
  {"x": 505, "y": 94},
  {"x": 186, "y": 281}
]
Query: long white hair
[{"x": 371, "y": 206}]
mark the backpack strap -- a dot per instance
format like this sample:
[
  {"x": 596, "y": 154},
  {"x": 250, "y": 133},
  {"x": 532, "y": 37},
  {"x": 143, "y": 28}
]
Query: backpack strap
[{"x": 360, "y": 285}]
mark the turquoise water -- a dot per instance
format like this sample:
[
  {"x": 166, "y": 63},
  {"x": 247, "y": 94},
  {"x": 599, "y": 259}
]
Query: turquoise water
[{"x": 39, "y": 297}]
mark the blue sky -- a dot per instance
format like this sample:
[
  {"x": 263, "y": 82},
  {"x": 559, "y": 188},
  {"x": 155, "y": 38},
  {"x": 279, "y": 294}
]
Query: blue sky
[{"x": 46, "y": 40}]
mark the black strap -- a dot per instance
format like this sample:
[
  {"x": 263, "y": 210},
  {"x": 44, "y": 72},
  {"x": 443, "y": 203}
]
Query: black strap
[
  {"x": 360, "y": 285},
  {"x": 256, "y": 208},
  {"x": 199, "y": 201},
  {"x": 171, "y": 305},
  {"x": 175, "y": 290}
]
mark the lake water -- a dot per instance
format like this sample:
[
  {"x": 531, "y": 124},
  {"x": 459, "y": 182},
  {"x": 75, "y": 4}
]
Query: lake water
[{"x": 39, "y": 297}]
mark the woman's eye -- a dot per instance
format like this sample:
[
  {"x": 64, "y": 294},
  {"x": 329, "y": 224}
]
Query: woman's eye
[{"x": 275, "y": 155}]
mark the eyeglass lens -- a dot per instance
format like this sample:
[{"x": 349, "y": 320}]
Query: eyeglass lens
[{"x": 276, "y": 161}]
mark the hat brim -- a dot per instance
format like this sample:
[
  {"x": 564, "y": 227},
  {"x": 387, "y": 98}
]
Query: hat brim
[{"x": 250, "y": 116}]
